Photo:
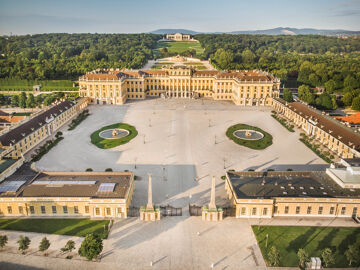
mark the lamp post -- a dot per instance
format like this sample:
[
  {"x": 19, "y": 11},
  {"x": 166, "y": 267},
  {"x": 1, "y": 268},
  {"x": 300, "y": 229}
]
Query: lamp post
[
  {"x": 135, "y": 162},
  {"x": 224, "y": 163}
]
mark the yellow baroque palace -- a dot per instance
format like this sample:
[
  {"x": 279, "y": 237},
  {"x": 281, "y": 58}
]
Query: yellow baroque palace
[{"x": 243, "y": 87}]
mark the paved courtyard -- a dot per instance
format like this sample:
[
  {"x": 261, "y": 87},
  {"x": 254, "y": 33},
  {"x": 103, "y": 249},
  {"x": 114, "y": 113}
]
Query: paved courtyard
[{"x": 179, "y": 141}]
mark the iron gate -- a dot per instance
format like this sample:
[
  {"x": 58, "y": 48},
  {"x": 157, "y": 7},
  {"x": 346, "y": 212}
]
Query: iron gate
[
  {"x": 170, "y": 211},
  {"x": 195, "y": 210}
]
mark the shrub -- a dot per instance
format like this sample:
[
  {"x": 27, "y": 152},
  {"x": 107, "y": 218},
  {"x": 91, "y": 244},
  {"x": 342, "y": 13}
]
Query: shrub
[
  {"x": 91, "y": 247},
  {"x": 24, "y": 243},
  {"x": 108, "y": 170},
  {"x": 3, "y": 240},
  {"x": 69, "y": 246},
  {"x": 88, "y": 170},
  {"x": 44, "y": 244},
  {"x": 274, "y": 256}
]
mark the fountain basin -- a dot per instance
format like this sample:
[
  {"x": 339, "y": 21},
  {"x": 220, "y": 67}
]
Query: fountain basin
[
  {"x": 248, "y": 134},
  {"x": 114, "y": 133}
]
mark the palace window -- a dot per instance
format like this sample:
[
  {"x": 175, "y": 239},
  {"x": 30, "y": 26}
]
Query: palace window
[
  {"x": 32, "y": 209},
  {"x": 21, "y": 210},
  {"x": 265, "y": 210},
  {"x": 354, "y": 213},
  {"x": 253, "y": 211},
  {"x": 286, "y": 209},
  {"x": 43, "y": 210},
  {"x": 9, "y": 209},
  {"x": 275, "y": 209},
  {"x": 320, "y": 210},
  {"x": 97, "y": 211},
  {"x": 243, "y": 211},
  {"x": 309, "y": 210},
  {"x": 87, "y": 210},
  {"x": 343, "y": 210},
  {"x": 297, "y": 209},
  {"x": 108, "y": 211},
  {"x": 65, "y": 209},
  {"x": 332, "y": 210},
  {"x": 76, "y": 210},
  {"x": 53, "y": 209}
]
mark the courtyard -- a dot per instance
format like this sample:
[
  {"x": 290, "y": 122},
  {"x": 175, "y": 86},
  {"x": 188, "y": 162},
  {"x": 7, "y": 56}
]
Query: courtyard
[{"x": 182, "y": 142}]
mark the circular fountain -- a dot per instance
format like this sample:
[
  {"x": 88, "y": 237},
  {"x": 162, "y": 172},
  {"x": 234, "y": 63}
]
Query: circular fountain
[
  {"x": 248, "y": 134},
  {"x": 114, "y": 133}
]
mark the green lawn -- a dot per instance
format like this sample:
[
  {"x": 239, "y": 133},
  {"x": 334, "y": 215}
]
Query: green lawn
[
  {"x": 179, "y": 47},
  {"x": 27, "y": 85},
  {"x": 110, "y": 143},
  {"x": 75, "y": 227},
  {"x": 257, "y": 145},
  {"x": 288, "y": 240}
]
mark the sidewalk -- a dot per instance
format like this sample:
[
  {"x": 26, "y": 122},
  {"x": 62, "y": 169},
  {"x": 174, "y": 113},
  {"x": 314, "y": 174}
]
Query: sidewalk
[{"x": 301, "y": 221}]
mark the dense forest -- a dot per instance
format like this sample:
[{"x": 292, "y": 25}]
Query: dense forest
[
  {"x": 66, "y": 56},
  {"x": 330, "y": 62}
]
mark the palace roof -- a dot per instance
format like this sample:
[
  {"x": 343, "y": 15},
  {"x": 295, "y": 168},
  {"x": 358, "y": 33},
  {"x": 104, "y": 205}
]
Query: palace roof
[
  {"x": 71, "y": 184},
  {"x": 331, "y": 126},
  {"x": 20, "y": 132},
  {"x": 241, "y": 75},
  {"x": 268, "y": 185}
]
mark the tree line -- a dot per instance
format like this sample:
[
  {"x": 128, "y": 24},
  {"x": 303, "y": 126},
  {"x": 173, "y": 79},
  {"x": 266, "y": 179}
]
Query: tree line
[
  {"x": 314, "y": 61},
  {"x": 66, "y": 56}
]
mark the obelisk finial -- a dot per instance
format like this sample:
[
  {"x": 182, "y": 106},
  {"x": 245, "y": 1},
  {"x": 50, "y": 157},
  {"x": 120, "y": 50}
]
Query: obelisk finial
[
  {"x": 150, "y": 203},
  {"x": 212, "y": 204}
]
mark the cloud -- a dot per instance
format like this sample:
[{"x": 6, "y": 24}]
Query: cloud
[{"x": 346, "y": 8}]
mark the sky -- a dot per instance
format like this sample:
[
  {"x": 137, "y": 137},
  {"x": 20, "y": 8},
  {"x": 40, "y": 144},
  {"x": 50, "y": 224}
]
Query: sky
[{"x": 141, "y": 16}]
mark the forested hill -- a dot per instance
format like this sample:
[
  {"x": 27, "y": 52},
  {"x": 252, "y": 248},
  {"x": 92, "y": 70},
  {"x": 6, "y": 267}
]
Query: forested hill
[
  {"x": 314, "y": 60},
  {"x": 66, "y": 56}
]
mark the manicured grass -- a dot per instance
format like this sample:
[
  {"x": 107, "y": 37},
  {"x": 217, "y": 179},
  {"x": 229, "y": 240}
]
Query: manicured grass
[
  {"x": 288, "y": 240},
  {"x": 110, "y": 143},
  {"x": 257, "y": 145},
  {"x": 25, "y": 85},
  {"x": 22, "y": 114},
  {"x": 179, "y": 47},
  {"x": 75, "y": 227}
]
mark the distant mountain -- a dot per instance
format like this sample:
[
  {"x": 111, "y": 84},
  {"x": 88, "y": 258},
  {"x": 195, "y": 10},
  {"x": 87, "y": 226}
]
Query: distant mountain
[
  {"x": 273, "y": 31},
  {"x": 173, "y": 31}
]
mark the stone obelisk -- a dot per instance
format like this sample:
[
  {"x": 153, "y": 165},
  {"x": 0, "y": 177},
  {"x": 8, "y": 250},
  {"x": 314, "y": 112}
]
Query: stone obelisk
[
  {"x": 150, "y": 205},
  {"x": 212, "y": 204}
]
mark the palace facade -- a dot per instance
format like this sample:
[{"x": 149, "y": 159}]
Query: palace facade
[
  {"x": 20, "y": 139},
  {"x": 243, "y": 87},
  {"x": 178, "y": 37},
  {"x": 67, "y": 194},
  {"x": 335, "y": 136},
  {"x": 292, "y": 194}
]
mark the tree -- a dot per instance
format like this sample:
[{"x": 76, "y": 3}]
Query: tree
[
  {"x": 15, "y": 100},
  {"x": 24, "y": 243},
  {"x": 2, "y": 99},
  {"x": 306, "y": 94},
  {"x": 223, "y": 58},
  {"x": 91, "y": 247},
  {"x": 287, "y": 95},
  {"x": 274, "y": 256},
  {"x": 330, "y": 86},
  {"x": 108, "y": 170},
  {"x": 353, "y": 254},
  {"x": 355, "y": 105},
  {"x": 69, "y": 246},
  {"x": 30, "y": 102},
  {"x": 22, "y": 100},
  {"x": 48, "y": 100},
  {"x": 88, "y": 170},
  {"x": 303, "y": 257},
  {"x": 347, "y": 98},
  {"x": 38, "y": 100},
  {"x": 350, "y": 82},
  {"x": 44, "y": 244},
  {"x": 325, "y": 101},
  {"x": 3, "y": 240},
  {"x": 328, "y": 257},
  {"x": 247, "y": 56}
]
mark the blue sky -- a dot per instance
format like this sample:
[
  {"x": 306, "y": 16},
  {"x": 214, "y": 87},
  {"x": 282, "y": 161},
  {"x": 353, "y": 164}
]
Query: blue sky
[{"x": 126, "y": 16}]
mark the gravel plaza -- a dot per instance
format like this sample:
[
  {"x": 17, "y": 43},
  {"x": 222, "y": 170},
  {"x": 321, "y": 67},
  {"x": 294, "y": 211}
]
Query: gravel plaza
[{"x": 182, "y": 142}]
